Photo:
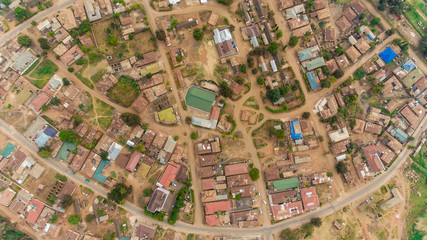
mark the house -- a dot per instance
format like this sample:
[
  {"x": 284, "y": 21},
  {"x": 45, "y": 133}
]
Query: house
[
  {"x": 362, "y": 45},
  {"x": 349, "y": 14},
  {"x": 392, "y": 84},
  {"x": 339, "y": 147},
  {"x": 79, "y": 158},
  {"x": 303, "y": 31},
  {"x": 353, "y": 54},
  {"x": 72, "y": 55},
  {"x": 286, "y": 210},
  {"x": 92, "y": 10},
  {"x": 387, "y": 55},
  {"x": 310, "y": 199},
  {"x": 238, "y": 180},
  {"x": 6, "y": 196},
  {"x": 373, "y": 128},
  {"x": 285, "y": 4},
  {"x": 308, "y": 53},
  {"x": 298, "y": 22},
  {"x": 286, "y": 183},
  {"x": 144, "y": 232},
  {"x": 343, "y": 24},
  {"x": 188, "y": 24},
  {"x": 169, "y": 175},
  {"x": 372, "y": 158},
  {"x": 410, "y": 116},
  {"x": 224, "y": 43},
  {"x": 214, "y": 207},
  {"x": 314, "y": 63},
  {"x": 34, "y": 210},
  {"x": 358, "y": 7},
  {"x": 79, "y": 12},
  {"x": 92, "y": 162},
  {"x": 395, "y": 200},
  {"x": 213, "y": 19},
  {"x": 133, "y": 161},
  {"x": 236, "y": 169},
  {"x": 86, "y": 40},
  {"x": 323, "y": 14},
  {"x": 342, "y": 61},
  {"x": 157, "y": 200},
  {"x": 147, "y": 58},
  {"x": 359, "y": 126},
  {"x": 24, "y": 61},
  {"x": 313, "y": 80},
  {"x": 339, "y": 135},
  {"x": 329, "y": 34},
  {"x": 38, "y": 102}
]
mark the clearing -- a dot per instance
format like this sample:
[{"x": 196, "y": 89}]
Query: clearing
[
  {"x": 43, "y": 73},
  {"x": 124, "y": 92}
]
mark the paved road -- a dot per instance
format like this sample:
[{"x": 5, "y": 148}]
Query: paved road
[
  {"x": 21, "y": 27},
  {"x": 267, "y": 231}
]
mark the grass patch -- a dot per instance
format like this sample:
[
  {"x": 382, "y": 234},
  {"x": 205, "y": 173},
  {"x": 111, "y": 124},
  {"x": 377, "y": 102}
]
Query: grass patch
[
  {"x": 95, "y": 78},
  {"x": 103, "y": 109},
  {"x": 124, "y": 92},
  {"x": 85, "y": 81},
  {"x": 414, "y": 18},
  {"x": 44, "y": 71},
  {"x": 251, "y": 103},
  {"x": 105, "y": 122},
  {"x": 264, "y": 130},
  {"x": 167, "y": 115}
]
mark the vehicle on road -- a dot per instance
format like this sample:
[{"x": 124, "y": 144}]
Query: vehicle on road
[{"x": 87, "y": 180}]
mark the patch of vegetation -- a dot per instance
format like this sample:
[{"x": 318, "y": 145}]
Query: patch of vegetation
[
  {"x": 74, "y": 219},
  {"x": 61, "y": 178},
  {"x": 119, "y": 193},
  {"x": 132, "y": 120},
  {"x": 95, "y": 78},
  {"x": 124, "y": 92}
]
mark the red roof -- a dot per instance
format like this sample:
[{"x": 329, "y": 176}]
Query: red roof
[
  {"x": 212, "y": 220},
  {"x": 133, "y": 161},
  {"x": 215, "y": 113},
  {"x": 36, "y": 208},
  {"x": 286, "y": 210},
  {"x": 169, "y": 175},
  {"x": 39, "y": 101},
  {"x": 236, "y": 169},
  {"x": 213, "y": 207},
  {"x": 371, "y": 155},
  {"x": 310, "y": 198},
  {"x": 208, "y": 184}
]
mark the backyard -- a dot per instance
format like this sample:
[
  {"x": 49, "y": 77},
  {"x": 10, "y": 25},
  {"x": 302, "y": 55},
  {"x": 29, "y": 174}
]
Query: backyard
[
  {"x": 124, "y": 92},
  {"x": 44, "y": 71},
  {"x": 110, "y": 42}
]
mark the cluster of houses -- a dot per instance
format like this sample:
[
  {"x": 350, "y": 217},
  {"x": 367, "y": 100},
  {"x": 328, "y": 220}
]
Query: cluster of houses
[{"x": 226, "y": 189}]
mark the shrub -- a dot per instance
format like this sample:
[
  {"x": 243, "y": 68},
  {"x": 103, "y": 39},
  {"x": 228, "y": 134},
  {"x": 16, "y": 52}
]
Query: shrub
[
  {"x": 66, "y": 201},
  {"x": 70, "y": 69},
  {"x": 147, "y": 192},
  {"x": 341, "y": 167},
  {"x": 306, "y": 115},
  {"x": 254, "y": 174},
  {"x": 119, "y": 193},
  {"x": 260, "y": 81},
  {"x": 89, "y": 218},
  {"x": 130, "y": 119},
  {"x": 193, "y": 135},
  {"x": 293, "y": 41},
  {"x": 24, "y": 40},
  {"x": 44, "y": 44},
  {"x": 74, "y": 219},
  {"x": 198, "y": 34}
]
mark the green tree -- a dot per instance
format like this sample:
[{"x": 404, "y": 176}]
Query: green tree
[
  {"x": 375, "y": 21},
  {"x": 65, "y": 82},
  {"x": 147, "y": 192},
  {"x": 280, "y": 134},
  {"x": 359, "y": 74},
  {"x": 74, "y": 219},
  {"x": 70, "y": 69},
  {"x": 306, "y": 115},
  {"x": 174, "y": 22},
  {"x": 338, "y": 73},
  {"x": 55, "y": 101},
  {"x": 293, "y": 41},
  {"x": 104, "y": 155},
  {"x": 273, "y": 95},
  {"x": 6, "y": 2},
  {"x": 250, "y": 61},
  {"x": 161, "y": 35},
  {"x": 243, "y": 68},
  {"x": 193, "y": 135},
  {"x": 139, "y": 147},
  {"x": 273, "y": 47},
  {"x": 130, "y": 119},
  {"x": 260, "y": 81},
  {"x": 226, "y": 2},
  {"x": 225, "y": 90},
  {"x": 44, "y": 44},
  {"x": 112, "y": 40},
  {"x": 325, "y": 84},
  {"x": 288, "y": 234},
  {"x": 22, "y": 13},
  {"x": 317, "y": 222},
  {"x": 66, "y": 201},
  {"x": 198, "y": 34},
  {"x": 54, "y": 218},
  {"x": 339, "y": 51},
  {"x": 341, "y": 167},
  {"x": 89, "y": 218},
  {"x": 119, "y": 193},
  {"x": 25, "y": 41},
  {"x": 44, "y": 152}
]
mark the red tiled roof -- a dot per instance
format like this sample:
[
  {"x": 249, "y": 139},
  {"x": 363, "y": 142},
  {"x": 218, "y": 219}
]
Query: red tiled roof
[
  {"x": 39, "y": 101},
  {"x": 310, "y": 198},
  {"x": 36, "y": 208},
  {"x": 372, "y": 158},
  {"x": 236, "y": 169},
  {"x": 208, "y": 184},
  {"x": 169, "y": 175},
  {"x": 133, "y": 161},
  {"x": 213, "y": 207},
  {"x": 215, "y": 113},
  {"x": 212, "y": 220}
]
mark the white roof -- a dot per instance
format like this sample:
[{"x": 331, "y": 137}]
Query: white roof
[{"x": 173, "y": 2}]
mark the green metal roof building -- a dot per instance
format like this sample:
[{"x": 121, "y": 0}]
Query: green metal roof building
[
  {"x": 200, "y": 98},
  {"x": 66, "y": 149},
  {"x": 8, "y": 150},
  {"x": 286, "y": 183}
]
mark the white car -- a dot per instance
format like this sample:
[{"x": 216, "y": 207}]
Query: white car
[
  {"x": 264, "y": 201},
  {"x": 414, "y": 59},
  {"x": 260, "y": 210}
]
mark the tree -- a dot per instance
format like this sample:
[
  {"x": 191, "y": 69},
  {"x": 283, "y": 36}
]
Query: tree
[
  {"x": 55, "y": 101},
  {"x": 174, "y": 22},
  {"x": 65, "y": 82},
  {"x": 132, "y": 120},
  {"x": 161, "y": 35},
  {"x": 339, "y": 51},
  {"x": 139, "y": 147},
  {"x": 69, "y": 136},
  {"x": 22, "y": 13},
  {"x": 306, "y": 115},
  {"x": 243, "y": 68},
  {"x": 147, "y": 192},
  {"x": 70, "y": 69},
  {"x": 288, "y": 234},
  {"x": 24, "y": 40},
  {"x": 112, "y": 40},
  {"x": 375, "y": 21},
  {"x": 362, "y": 16},
  {"x": 341, "y": 167},
  {"x": 104, "y": 156},
  {"x": 193, "y": 135},
  {"x": 280, "y": 134},
  {"x": 66, "y": 201},
  {"x": 309, "y": 5},
  {"x": 226, "y": 2},
  {"x": 325, "y": 84},
  {"x": 225, "y": 90},
  {"x": 254, "y": 174},
  {"x": 250, "y": 61},
  {"x": 338, "y": 73},
  {"x": 6, "y": 2},
  {"x": 293, "y": 41},
  {"x": 359, "y": 74},
  {"x": 54, "y": 218},
  {"x": 273, "y": 47},
  {"x": 89, "y": 218},
  {"x": 119, "y": 193},
  {"x": 44, "y": 152},
  {"x": 74, "y": 219},
  {"x": 273, "y": 95},
  {"x": 85, "y": 27},
  {"x": 198, "y": 34},
  {"x": 260, "y": 81},
  {"x": 317, "y": 222}
]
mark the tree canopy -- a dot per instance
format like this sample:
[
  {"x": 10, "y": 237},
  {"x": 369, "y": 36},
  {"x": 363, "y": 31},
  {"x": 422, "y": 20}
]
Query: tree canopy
[
  {"x": 66, "y": 201},
  {"x": 341, "y": 167},
  {"x": 119, "y": 192},
  {"x": 69, "y": 136},
  {"x": 25, "y": 41},
  {"x": 254, "y": 174},
  {"x": 22, "y": 13},
  {"x": 293, "y": 41},
  {"x": 130, "y": 119},
  {"x": 273, "y": 47},
  {"x": 44, "y": 44},
  {"x": 198, "y": 34},
  {"x": 161, "y": 35}
]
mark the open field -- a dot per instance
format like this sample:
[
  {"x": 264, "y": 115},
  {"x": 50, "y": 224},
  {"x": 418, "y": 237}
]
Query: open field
[
  {"x": 103, "y": 109},
  {"x": 414, "y": 17},
  {"x": 124, "y": 92},
  {"x": 43, "y": 73},
  {"x": 120, "y": 49}
]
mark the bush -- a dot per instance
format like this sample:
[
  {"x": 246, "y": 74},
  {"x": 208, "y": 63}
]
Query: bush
[
  {"x": 293, "y": 41},
  {"x": 65, "y": 82},
  {"x": 260, "y": 81},
  {"x": 273, "y": 47},
  {"x": 193, "y": 135},
  {"x": 89, "y": 218},
  {"x": 243, "y": 68},
  {"x": 288, "y": 234},
  {"x": 69, "y": 136},
  {"x": 359, "y": 74},
  {"x": 161, "y": 35},
  {"x": 254, "y": 174},
  {"x": 119, "y": 193},
  {"x": 24, "y": 40},
  {"x": 147, "y": 192},
  {"x": 250, "y": 61},
  {"x": 74, "y": 219},
  {"x": 341, "y": 168},
  {"x": 226, "y": 2},
  {"x": 338, "y": 73},
  {"x": 70, "y": 69},
  {"x": 306, "y": 115},
  {"x": 198, "y": 34},
  {"x": 317, "y": 222},
  {"x": 325, "y": 84},
  {"x": 130, "y": 119},
  {"x": 66, "y": 201},
  {"x": 45, "y": 152},
  {"x": 44, "y": 44}
]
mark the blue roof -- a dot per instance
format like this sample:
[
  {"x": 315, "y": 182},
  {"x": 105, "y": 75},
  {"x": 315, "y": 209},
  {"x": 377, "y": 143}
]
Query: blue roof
[
  {"x": 42, "y": 139},
  {"x": 295, "y": 134},
  {"x": 50, "y": 131},
  {"x": 8, "y": 150},
  {"x": 399, "y": 134},
  {"x": 388, "y": 55},
  {"x": 409, "y": 65},
  {"x": 312, "y": 80},
  {"x": 98, "y": 173},
  {"x": 370, "y": 36}
]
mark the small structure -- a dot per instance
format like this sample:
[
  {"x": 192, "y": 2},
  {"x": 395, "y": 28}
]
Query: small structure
[
  {"x": 224, "y": 43},
  {"x": 387, "y": 55},
  {"x": 199, "y": 99}
]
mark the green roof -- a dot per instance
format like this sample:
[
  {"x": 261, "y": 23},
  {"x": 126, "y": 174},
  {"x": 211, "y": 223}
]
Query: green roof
[
  {"x": 66, "y": 148},
  {"x": 286, "y": 183},
  {"x": 199, "y": 98},
  {"x": 8, "y": 150},
  {"x": 412, "y": 77},
  {"x": 313, "y": 64}
]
